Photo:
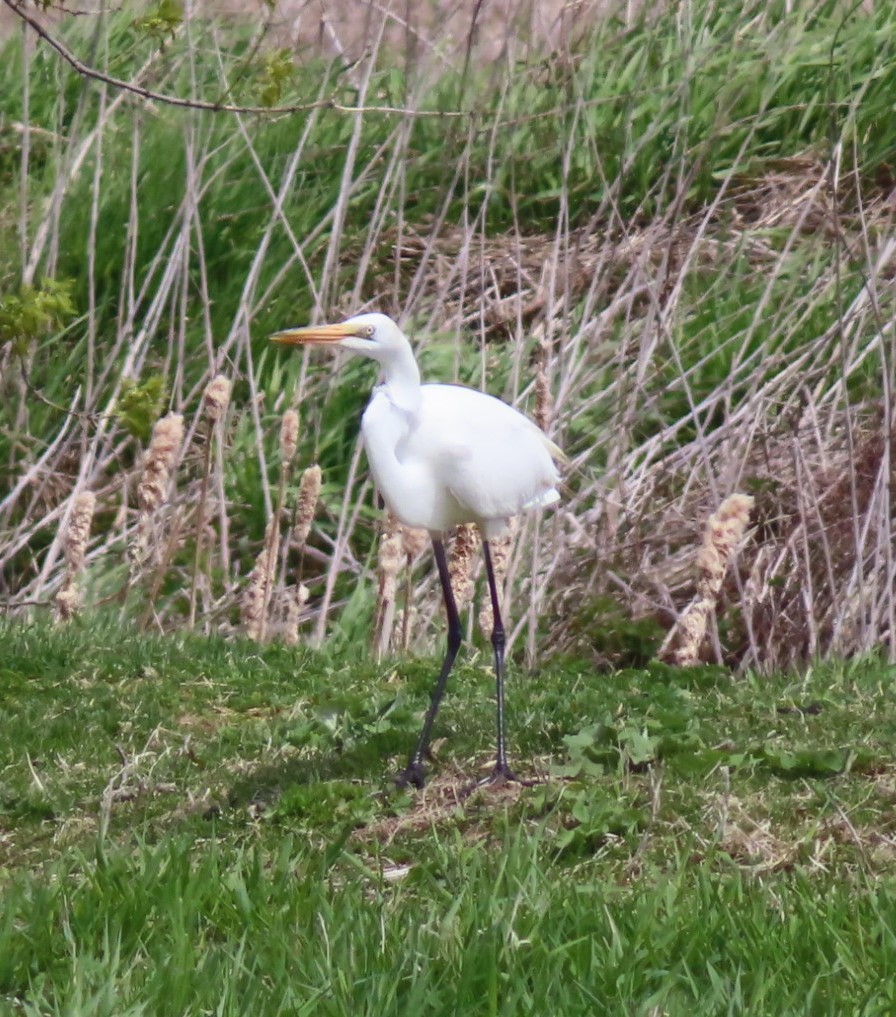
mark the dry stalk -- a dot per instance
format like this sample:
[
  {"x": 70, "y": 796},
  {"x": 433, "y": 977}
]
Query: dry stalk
[
  {"x": 68, "y": 599},
  {"x": 164, "y": 561},
  {"x": 388, "y": 563},
  {"x": 152, "y": 491},
  {"x": 216, "y": 399},
  {"x": 724, "y": 532}
]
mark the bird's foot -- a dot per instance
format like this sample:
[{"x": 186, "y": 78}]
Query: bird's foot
[
  {"x": 413, "y": 774},
  {"x": 501, "y": 775}
]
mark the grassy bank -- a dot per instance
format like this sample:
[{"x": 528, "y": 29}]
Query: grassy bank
[{"x": 189, "y": 825}]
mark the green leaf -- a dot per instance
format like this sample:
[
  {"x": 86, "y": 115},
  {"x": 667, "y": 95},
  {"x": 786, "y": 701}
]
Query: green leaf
[{"x": 139, "y": 406}]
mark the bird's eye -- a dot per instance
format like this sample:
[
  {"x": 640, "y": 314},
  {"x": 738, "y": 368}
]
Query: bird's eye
[{"x": 369, "y": 330}]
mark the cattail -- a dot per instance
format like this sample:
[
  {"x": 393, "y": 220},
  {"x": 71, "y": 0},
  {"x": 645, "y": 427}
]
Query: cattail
[
  {"x": 261, "y": 581},
  {"x": 68, "y": 599},
  {"x": 295, "y": 603},
  {"x": 460, "y": 564},
  {"x": 500, "y": 553},
  {"x": 309, "y": 492},
  {"x": 724, "y": 531},
  {"x": 544, "y": 399},
  {"x": 152, "y": 491},
  {"x": 167, "y": 437},
  {"x": 217, "y": 397},
  {"x": 389, "y": 559},
  {"x": 289, "y": 436}
]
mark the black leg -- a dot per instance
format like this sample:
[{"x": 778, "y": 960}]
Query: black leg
[
  {"x": 502, "y": 771},
  {"x": 414, "y": 774}
]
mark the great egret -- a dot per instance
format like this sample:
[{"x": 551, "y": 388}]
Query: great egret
[{"x": 442, "y": 455}]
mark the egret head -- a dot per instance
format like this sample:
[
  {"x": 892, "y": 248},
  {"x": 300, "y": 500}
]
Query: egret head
[{"x": 372, "y": 335}]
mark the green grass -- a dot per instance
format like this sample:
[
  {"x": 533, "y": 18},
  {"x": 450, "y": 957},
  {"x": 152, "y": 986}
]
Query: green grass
[{"x": 192, "y": 826}]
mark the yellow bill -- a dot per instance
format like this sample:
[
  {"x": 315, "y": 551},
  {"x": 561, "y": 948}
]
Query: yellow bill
[{"x": 315, "y": 334}]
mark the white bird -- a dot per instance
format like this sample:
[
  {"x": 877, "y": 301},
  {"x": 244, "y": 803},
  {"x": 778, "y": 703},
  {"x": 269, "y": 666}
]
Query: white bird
[{"x": 442, "y": 455}]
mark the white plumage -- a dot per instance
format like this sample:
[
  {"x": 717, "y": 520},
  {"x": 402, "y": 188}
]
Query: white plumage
[
  {"x": 459, "y": 456},
  {"x": 441, "y": 455}
]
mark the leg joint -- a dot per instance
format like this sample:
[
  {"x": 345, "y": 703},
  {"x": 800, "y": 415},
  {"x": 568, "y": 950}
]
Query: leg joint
[{"x": 498, "y": 639}]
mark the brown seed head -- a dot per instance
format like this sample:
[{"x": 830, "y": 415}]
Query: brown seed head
[
  {"x": 544, "y": 399},
  {"x": 289, "y": 436},
  {"x": 164, "y": 448},
  {"x": 309, "y": 492},
  {"x": 217, "y": 397},
  {"x": 78, "y": 530},
  {"x": 724, "y": 531},
  {"x": 460, "y": 564}
]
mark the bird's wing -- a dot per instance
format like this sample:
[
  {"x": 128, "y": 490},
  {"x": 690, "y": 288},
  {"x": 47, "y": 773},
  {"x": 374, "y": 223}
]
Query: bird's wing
[{"x": 494, "y": 460}]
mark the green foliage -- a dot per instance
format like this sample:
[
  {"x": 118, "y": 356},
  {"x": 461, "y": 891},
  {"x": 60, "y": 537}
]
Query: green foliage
[
  {"x": 139, "y": 405},
  {"x": 161, "y": 21},
  {"x": 277, "y": 73},
  {"x": 618, "y": 640},
  {"x": 35, "y": 312}
]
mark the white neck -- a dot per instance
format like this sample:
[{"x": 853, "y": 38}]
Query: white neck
[{"x": 401, "y": 379}]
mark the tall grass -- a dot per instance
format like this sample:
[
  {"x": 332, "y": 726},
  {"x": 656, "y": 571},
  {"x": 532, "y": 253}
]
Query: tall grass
[{"x": 682, "y": 215}]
